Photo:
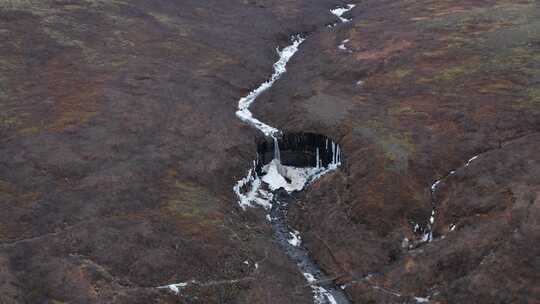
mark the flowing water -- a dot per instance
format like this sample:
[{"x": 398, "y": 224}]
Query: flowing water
[{"x": 272, "y": 189}]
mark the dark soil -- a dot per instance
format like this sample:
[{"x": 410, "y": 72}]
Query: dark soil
[{"x": 119, "y": 149}]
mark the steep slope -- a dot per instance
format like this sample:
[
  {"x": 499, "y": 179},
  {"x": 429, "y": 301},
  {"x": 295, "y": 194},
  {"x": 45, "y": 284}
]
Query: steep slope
[{"x": 412, "y": 90}]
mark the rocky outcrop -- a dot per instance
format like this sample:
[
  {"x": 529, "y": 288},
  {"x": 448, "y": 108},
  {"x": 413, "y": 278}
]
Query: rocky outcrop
[{"x": 299, "y": 150}]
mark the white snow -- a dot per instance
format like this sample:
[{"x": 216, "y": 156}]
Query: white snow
[
  {"x": 295, "y": 238},
  {"x": 250, "y": 190},
  {"x": 276, "y": 176},
  {"x": 253, "y": 189},
  {"x": 428, "y": 236},
  {"x": 421, "y": 300},
  {"x": 175, "y": 288},
  {"x": 279, "y": 69},
  {"x": 245, "y": 115},
  {"x": 435, "y": 185},
  {"x": 255, "y": 195},
  {"x": 320, "y": 294},
  {"x": 470, "y": 160},
  {"x": 338, "y": 12},
  {"x": 342, "y": 45},
  {"x": 309, "y": 277}
]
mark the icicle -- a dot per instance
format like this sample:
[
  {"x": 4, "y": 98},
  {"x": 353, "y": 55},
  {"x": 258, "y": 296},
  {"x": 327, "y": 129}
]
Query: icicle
[
  {"x": 333, "y": 153},
  {"x": 317, "y": 159},
  {"x": 277, "y": 155}
]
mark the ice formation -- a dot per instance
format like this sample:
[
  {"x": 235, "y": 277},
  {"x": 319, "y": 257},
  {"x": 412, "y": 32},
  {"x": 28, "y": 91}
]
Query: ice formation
[
  {"x": 279, "y": 69},
  {"x": 338, "y": 12},
  {"x": 257, "y": 189},
  {"x": 428, "y": 233}
]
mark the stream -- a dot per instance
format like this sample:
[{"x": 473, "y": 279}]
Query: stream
[{"x": 273, "y": 186}]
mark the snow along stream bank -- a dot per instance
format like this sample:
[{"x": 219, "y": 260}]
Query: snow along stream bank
[
  {"x": 427, "y": 231},
  {"x": 277, "y": 182}
]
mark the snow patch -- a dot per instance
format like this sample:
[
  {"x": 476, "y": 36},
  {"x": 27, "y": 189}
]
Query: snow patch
[
  {"x": 175, "y": 288},
  {"x": 253, "y": 189},
  {"x": 320, "y": 294},
  {"x": 421, "y": 300},
  {"x": 295, "y": 239},
  {"x": 471, "y": 160},
  {"x": 250, "y": 190},
  {"x": 339, "y": 11},
  {"x": 435, "y": 185},
  {"x": 255, "y": 195},
  {"x": 309, "y": 277},
  {"x": 428, "y": 236},
  {"x": 342, "y": 45},
  {"x": 287, "y": 177}
]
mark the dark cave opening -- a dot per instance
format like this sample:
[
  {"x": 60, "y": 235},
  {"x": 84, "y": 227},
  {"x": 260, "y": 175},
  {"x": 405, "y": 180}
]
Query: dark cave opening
[{"x": 299, "y": 149}]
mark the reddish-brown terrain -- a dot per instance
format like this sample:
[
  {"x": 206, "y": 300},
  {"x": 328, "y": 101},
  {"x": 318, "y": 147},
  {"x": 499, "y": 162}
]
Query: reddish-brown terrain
[
  {"x": 440, "y": 82},
  {"x": 119, "y": 148}
]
